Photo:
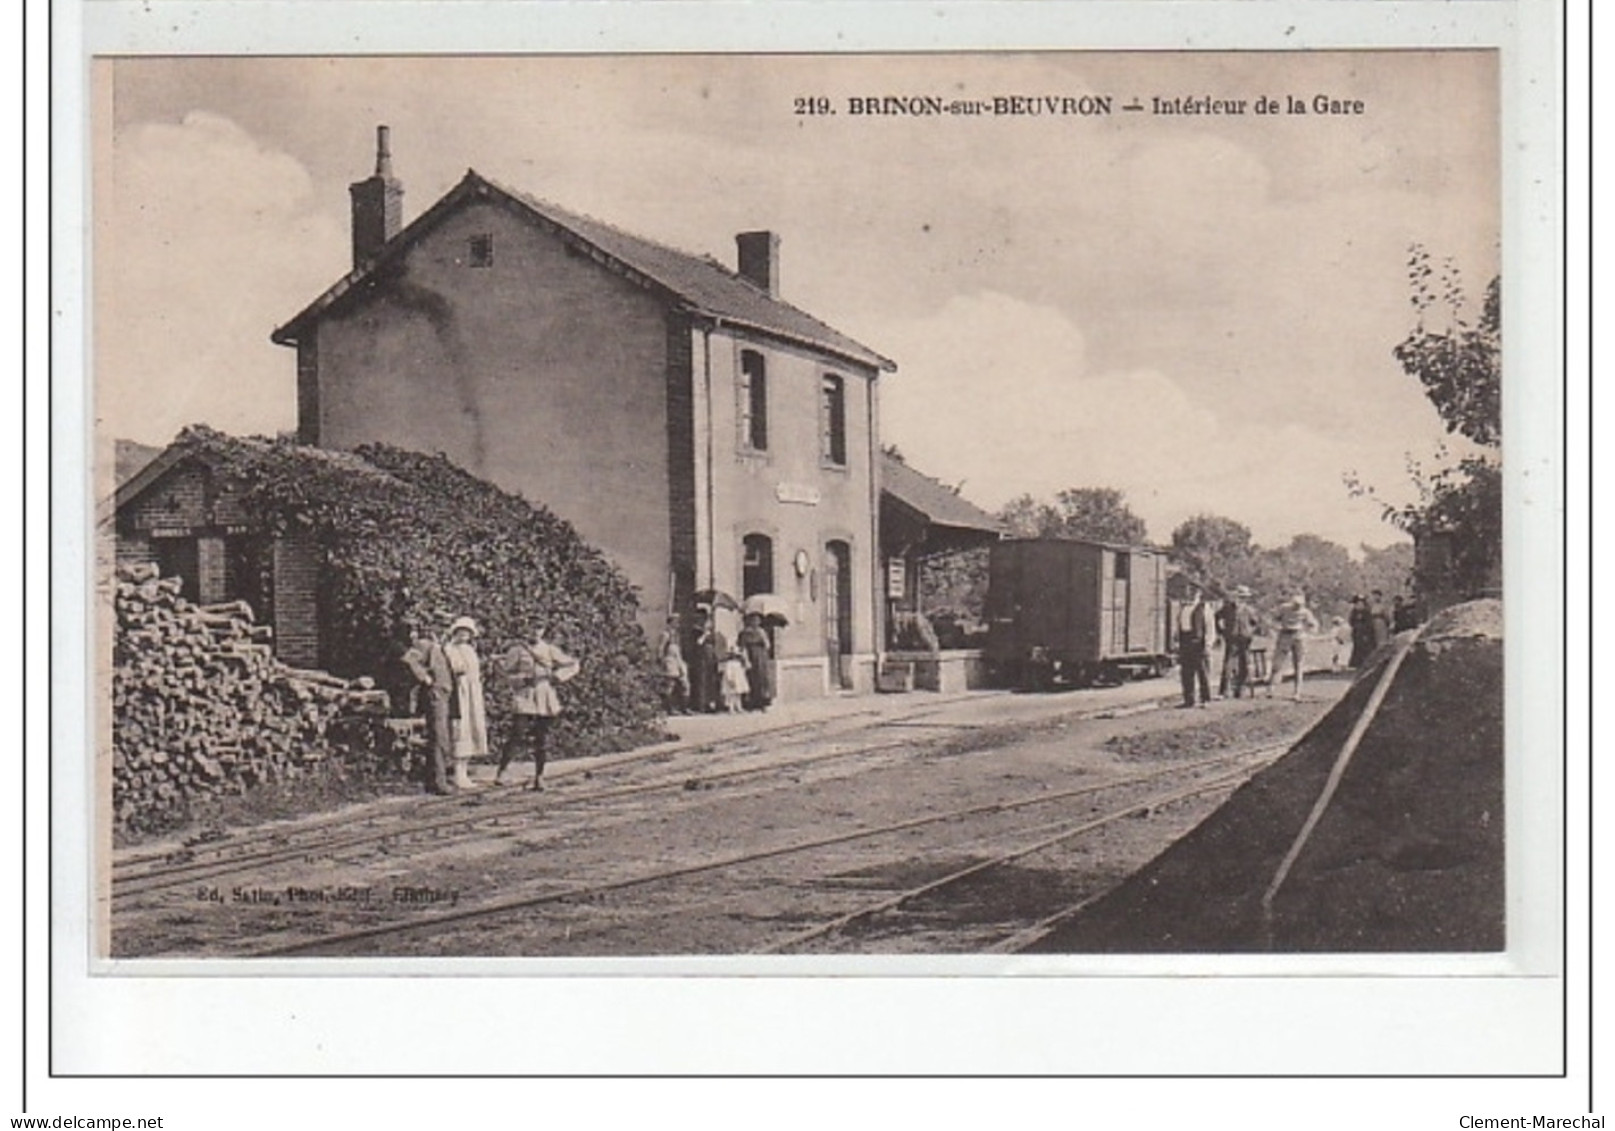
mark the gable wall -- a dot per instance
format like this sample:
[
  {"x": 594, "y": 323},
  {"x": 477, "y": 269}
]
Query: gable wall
[{"x": 544, "y": 373}]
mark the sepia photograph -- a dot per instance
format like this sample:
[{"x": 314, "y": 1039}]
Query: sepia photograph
[
  {"x": 948, "y": 504},
  {"x": 898, "y": 563}
]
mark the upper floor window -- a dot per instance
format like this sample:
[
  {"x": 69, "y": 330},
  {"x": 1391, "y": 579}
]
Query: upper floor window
[
  {"x": 833, "y": 420},
  {"x": 753, "y": 401},
  {"x": 480, "y": 250}
]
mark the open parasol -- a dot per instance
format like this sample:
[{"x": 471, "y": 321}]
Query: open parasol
[
  {"x": 716, "y": 599},
  {"x": 770, "y": 606}
]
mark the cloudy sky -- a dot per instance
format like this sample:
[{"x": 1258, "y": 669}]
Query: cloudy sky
[{"x": 1197, "y": 310}]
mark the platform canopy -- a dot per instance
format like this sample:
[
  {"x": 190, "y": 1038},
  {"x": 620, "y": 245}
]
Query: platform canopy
[{"x": 921, "y": 517}]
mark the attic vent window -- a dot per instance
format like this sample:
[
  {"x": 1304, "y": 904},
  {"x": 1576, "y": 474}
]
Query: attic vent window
[{"x": 481, "y": 251}]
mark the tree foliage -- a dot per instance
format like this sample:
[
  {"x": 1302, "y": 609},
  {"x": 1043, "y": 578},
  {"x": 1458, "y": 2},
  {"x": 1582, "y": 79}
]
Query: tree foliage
[
  {"x": 1388, "y": 569},
  {"x": 1025, "y": 517},
  {"x": 1214, "y": 549},
  {"x": 1321, "y": 569},
  {"x": 1457, "y": 360},
  {"x": 1220, "y": 552},
  {"x": 953, "y": 591},
  {"x": 403, "y": 535},
  {"x": 1461, "y": 508},
  {"x": 1099, "y": 514}
]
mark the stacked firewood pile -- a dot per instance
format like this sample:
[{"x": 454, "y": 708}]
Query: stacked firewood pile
[{"x": 200, "y": 705}]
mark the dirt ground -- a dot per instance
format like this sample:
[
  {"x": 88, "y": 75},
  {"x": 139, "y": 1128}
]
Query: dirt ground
[{"x": 994, "y": 753}]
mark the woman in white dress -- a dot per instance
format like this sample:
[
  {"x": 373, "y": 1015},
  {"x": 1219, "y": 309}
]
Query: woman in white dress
[{"x": 468, "y": 711}]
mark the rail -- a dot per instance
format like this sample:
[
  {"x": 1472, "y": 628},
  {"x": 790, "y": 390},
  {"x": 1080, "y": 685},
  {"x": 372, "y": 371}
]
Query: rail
[
  {"x": 510, "y": 906},
  {"x": 1066, "y": 833}
]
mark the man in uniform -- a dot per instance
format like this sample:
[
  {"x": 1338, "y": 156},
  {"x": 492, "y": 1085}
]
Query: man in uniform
[{"x": 533, "y": 668}]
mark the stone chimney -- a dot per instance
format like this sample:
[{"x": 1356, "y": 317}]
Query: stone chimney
[
  {"x": 378, "y": 205},
  {"x": 759, "y": 259}
]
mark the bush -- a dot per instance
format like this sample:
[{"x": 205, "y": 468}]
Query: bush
[
  {"x": 912, "y": 632},
  {"x": 404, "y": 535}
]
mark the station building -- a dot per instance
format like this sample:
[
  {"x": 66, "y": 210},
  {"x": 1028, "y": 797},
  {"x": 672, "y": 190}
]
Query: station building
[{"x": 683, "y": 416}]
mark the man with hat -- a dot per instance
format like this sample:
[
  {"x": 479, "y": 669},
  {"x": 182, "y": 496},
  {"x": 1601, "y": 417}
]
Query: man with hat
[
  {"x": 434, "y": 681},
  {"x": 1237, "y": 622},
  {"x": 1197, "y": 634}
]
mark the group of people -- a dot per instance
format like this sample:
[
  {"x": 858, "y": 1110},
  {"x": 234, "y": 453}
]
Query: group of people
[
  {"x": 1234, "y": 624},
  {"x": 705, "y": 674},
  {"x": 1371, "y": 623},
  {"x": 449, "y": 680},
  {"x": 448, "y": 674}
]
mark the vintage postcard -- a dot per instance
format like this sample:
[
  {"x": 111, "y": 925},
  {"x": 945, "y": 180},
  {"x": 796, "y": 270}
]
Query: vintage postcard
[{"x": 894, "y": 513}]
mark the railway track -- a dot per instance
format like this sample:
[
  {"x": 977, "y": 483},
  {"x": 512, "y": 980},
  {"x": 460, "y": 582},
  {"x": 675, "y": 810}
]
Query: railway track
[
  {"x": 427, "y": 816},
  {"x": 1228, "y": 769},
  {"x": 147, "y": 863},
  {"x": 1020, "y": 934},
  {"x": 490, "y": 811}
]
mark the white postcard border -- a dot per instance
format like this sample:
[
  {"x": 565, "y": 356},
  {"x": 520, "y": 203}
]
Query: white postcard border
[{"x": 630, "y": 1019}]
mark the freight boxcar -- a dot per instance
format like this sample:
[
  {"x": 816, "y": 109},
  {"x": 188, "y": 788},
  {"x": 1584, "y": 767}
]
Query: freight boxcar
[{"x": 1075, "y": 612}]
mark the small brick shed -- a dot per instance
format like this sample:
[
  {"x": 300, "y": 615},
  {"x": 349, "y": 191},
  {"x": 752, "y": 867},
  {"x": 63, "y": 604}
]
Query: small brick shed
[{"x": 181, "y": 513}]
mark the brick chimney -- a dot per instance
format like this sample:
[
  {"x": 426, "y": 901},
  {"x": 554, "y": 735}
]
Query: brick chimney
[
  {"x": 378, "y": 205},
  {"x": 759, "y": 259}
]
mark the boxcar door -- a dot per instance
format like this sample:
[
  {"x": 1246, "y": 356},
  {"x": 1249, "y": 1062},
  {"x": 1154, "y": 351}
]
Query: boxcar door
[
  {"x": 1144, "y": 603},
  {"x": 1121, "y": 571}
]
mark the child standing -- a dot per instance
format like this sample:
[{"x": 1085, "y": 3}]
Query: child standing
[{"x": 735, "y": 684}]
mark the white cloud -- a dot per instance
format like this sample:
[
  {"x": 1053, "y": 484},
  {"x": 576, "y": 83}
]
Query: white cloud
[
  {"x": 995, "y": 392},
  {"x": 208, "y": 233}
]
